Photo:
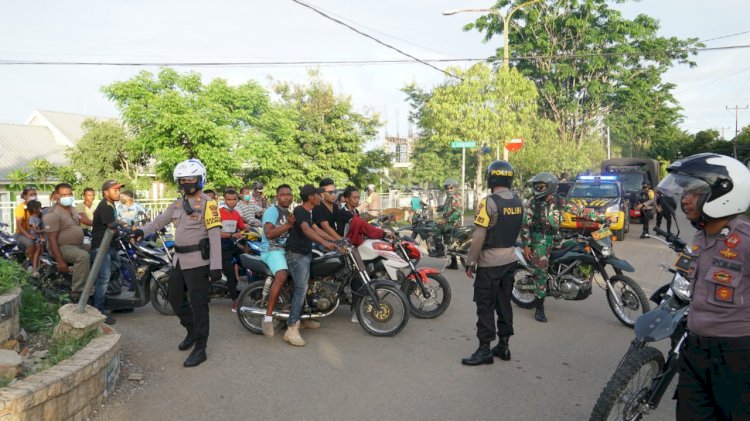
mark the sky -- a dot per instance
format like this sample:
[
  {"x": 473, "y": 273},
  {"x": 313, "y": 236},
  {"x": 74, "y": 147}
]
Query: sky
[{"x": 281, "y": 30}]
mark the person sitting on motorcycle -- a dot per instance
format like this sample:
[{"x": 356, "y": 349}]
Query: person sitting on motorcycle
[
  {"x": 356, "y": 229},
  {"x": 452, "y": 213},
  {"x": 326, "y": 213},
  {"x": 231, "y": 227},
  {"x": 105, "y": 215},
  {"x": 277, "y": 222},
  {"x": 713, "y": 191}
]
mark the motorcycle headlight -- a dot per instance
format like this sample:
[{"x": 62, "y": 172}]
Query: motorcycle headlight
[
  {"x": 606, "y": 251},
  {"x": 681, "y": 287},
  {"x": 613, "y": 209}
]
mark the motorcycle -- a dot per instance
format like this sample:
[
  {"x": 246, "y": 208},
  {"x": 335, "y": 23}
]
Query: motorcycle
[
  {"x": 9, "y": 248},
  {"x": 435, "y": 240},
  {"x": 643, "y": 376},
  {"x": 428, "y": 291},
  {"x": 380, "y": 305},
  {"x": 571, "y": 272}
]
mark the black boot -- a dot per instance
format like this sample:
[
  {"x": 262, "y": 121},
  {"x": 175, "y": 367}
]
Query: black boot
[
  {"x": 539, "y": 313},
  {"x": 501, "y": 350},
  {"x": 483, "y": 355},
  {"x": 196, "y": 357},
  {"x": 453, "y": 264},
  {"x": 188, "y": 342}
]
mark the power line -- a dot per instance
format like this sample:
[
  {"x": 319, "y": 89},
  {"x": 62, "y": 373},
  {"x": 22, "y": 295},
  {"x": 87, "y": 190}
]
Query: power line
[
  {"x": 726, "y": 36},
  {"x": 412, "y": 60},
  {"x": 374, "y": 39}
]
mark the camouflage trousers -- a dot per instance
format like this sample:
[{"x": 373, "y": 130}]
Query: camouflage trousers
[{"x": 540, "y": 251}]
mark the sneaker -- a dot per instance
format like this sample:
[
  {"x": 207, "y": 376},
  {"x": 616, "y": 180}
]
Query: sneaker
[
  {"x": 267, "y": 327},
  {"x": 110, "y": 320},
  {"x": 292, "y": 335},
  {"x": 309, "y": 324},
  {"x": 234, "y": 306}
]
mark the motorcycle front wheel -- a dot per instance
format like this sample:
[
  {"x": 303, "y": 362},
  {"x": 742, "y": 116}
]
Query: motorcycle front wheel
[
  {"x": 159, "y": 299},
  {"x": 389, "y": 318},
  {"x": 523, "y": 288},
  {"x": 428, "y": 308},
  {"x": 625, "y": 394},
  {"x": 252, "y": 296},
  {"x": 633, "y": 301}
]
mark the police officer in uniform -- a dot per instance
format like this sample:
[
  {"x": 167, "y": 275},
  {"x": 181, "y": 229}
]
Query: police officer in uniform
[
  {"x": 646, "y": 204},
  {"x": 713, "y": 190},
  {"x": 491, "y": 256},
  {"x": 198, "y": 255}
]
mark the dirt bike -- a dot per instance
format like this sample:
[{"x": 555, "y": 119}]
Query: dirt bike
[
  {"x": 643, "y": 376},
  {"x": 571, "y": 271},
  {"x": 380, "y": 306},
  {"x": 428, "y": 291},
  {"x": 438, "y": 240}
]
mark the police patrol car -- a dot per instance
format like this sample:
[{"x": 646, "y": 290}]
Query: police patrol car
[{"x": 605, "y": 195}]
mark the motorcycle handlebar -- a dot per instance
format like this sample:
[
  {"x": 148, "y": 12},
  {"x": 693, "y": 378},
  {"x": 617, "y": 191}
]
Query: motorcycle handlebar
[{"x": 671, "y": 239}]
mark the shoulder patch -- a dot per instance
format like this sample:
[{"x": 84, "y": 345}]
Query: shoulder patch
[
  {"x": 211, "y": 215},
  {"x": 482, "y": 218}
]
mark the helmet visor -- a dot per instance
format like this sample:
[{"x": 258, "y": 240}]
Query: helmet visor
[{"x": 679, "y": 186}]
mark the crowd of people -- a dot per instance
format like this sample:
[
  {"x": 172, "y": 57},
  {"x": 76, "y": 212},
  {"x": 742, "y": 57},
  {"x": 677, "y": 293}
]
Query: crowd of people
[{"x": 712, "y": 190}]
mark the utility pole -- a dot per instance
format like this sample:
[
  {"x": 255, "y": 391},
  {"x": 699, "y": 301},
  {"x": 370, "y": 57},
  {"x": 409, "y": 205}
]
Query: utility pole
[
  {"x": 722, "y": 132},
  {"x": 736, "y": 127}
]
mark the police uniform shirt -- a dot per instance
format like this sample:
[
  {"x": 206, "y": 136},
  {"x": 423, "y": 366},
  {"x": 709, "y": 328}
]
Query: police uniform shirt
[
  {"x": 720, "y": 305},
  {"x": 485, "y": 218},
  {"x": 204, "y": 222}
]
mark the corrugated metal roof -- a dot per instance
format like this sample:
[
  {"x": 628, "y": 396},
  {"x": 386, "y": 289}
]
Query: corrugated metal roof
[
  {"x": 69, "y": 124},
  {"x": 22, "y": 144}
]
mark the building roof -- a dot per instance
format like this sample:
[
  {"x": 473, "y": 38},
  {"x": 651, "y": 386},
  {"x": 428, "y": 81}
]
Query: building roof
[
  {"x": 66, "y": 127},
  {"x": 22, "y": 144}
]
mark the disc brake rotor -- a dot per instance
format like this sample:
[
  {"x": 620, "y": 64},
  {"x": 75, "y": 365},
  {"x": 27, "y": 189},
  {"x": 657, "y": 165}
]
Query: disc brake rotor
[{"x": 381, "y": 314}]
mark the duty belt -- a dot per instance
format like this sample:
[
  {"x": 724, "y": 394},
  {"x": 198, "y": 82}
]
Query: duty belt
[{"x": 187, "y": 249}]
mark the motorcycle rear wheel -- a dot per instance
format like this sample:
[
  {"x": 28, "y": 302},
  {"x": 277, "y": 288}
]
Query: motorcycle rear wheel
[
  {"x": 428, "y": 308},
  {"x": 159, "y": 299},
  {"x": 633, "y": 301},
  {"x": 387, "y": 320},
  {"x": 623, "y": 397},
  {"x": 251, "y": 296},
  {"x": 525, "y": 298}
]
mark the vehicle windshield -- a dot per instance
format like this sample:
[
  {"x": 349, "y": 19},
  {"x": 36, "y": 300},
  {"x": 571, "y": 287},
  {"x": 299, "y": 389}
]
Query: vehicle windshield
[
  {"x": 594, "y": 191},
  {"x": 631, "y": 181}
]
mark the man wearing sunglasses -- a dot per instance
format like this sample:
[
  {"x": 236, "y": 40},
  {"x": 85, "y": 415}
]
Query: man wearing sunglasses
[{"x": 326, "y": 213}]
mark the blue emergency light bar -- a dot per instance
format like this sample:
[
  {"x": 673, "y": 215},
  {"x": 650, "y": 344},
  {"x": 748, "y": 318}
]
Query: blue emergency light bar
[{"x": 597, "y": 177}]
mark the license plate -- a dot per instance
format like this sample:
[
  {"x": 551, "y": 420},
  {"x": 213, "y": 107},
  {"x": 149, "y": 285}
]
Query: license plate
[{"x": 602, "y": 233}]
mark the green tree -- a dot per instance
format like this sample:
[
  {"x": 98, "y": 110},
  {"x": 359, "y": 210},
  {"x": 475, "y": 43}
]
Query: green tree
[
  {"x": 106, "y": 151},
  {"x": 175, "y": 116},
  {"x": 485, "y": 105},
  {"x": 580, "y": 54},
  {"x": 19, "y": 179}
]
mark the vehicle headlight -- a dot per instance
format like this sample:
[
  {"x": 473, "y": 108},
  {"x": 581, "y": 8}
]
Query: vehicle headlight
[
  {"x": 613, "y": 209},
  {"x": 606, "y": 251},
  {"x": 681, "y": 287}
]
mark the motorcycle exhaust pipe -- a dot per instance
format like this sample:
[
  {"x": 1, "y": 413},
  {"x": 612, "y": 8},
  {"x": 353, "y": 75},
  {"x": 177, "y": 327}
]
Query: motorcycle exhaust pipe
[{"x": 284, "y": 315}]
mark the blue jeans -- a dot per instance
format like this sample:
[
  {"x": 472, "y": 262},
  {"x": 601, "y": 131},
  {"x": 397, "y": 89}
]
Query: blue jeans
[
  {"x": 102, "y": 280},
  {"x": 299, "y": 269}
]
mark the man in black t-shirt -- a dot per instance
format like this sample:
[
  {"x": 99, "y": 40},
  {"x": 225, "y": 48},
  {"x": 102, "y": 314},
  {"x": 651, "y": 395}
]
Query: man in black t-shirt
[
  {"x": 104, "y": 216},
  {"x": 298, "y": 258},
  {"x": 326, "y": 214}
]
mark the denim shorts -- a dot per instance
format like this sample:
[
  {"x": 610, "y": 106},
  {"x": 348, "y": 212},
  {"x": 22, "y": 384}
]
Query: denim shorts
[{"x": 275, "y": 260}]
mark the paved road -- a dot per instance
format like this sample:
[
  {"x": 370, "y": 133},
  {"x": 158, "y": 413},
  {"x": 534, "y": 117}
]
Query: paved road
[{"x": 557, "y": 371}]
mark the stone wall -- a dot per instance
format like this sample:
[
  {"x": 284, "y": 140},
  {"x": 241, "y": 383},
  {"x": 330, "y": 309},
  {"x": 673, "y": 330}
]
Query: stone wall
[
  {"x": 9, "y": 321},
  {"x": 70, "y": 390}
]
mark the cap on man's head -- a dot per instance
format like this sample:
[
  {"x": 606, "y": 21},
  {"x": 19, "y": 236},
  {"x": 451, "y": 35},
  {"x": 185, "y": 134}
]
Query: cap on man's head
[
  {"x": 308, "y": 190},
  {"x": 111, "y": 184}
]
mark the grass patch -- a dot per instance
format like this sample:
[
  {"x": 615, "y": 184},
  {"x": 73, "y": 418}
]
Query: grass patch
[
  {"x": 11, "y": 275},
  {"x": 36, "y": 313},
  {"x": 4, "y": 381},
  {"x": 64, "y": 348}
]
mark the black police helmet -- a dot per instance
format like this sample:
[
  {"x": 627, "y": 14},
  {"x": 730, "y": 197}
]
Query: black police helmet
[{"x": 499, "y": 174}]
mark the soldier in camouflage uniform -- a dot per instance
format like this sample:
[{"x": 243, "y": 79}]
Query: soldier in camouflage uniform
[
  {"x": 541, "y": 222},
  {"x": 452, "y": 212}
]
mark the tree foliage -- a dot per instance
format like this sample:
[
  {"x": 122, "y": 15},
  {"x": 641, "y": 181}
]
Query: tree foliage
[{"x": 584, "y": 56}]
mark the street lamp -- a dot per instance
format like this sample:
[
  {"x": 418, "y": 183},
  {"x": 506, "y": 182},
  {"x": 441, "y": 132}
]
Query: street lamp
[
  {"x": 506, "y": 42},
  {"x": 506, "y": 23}
]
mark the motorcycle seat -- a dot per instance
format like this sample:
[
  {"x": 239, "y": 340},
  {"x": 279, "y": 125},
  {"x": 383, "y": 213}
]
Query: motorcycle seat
[
  {"x": 558, "y": 253},
  {"x": 255, "y": 264}
]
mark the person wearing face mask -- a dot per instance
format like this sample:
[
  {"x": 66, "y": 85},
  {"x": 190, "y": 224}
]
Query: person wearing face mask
[
  {"x": 251, "y": 212},
  {"x": 197, "y": 259},
  {"x": 23, "y": 236},
  {"x": 130, "y": 213},
  {"x": 65, "y": 238}
]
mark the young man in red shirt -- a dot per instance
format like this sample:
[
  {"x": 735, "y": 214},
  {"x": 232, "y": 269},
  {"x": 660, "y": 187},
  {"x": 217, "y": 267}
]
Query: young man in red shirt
[{"x": 231, "y": 225}]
